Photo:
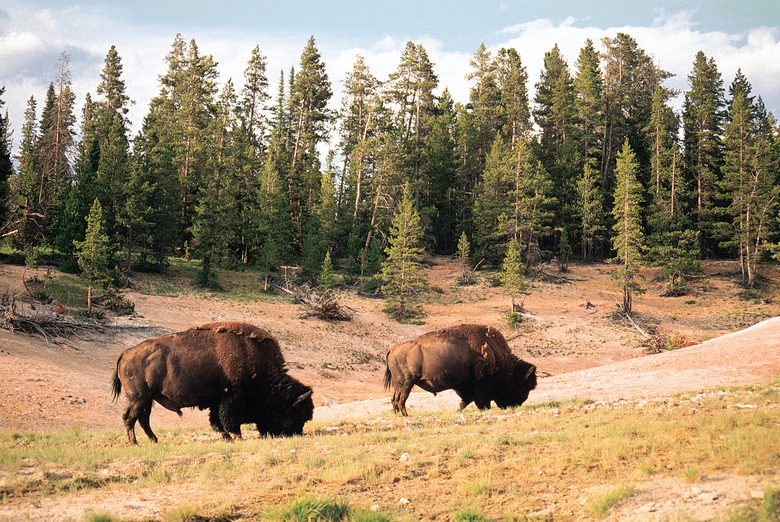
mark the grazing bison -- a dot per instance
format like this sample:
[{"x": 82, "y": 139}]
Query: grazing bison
[
  {"x": 474, "y": 360},
  {"x": 235, "y": 370}
]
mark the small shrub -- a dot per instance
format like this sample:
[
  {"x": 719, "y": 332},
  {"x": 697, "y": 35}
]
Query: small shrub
[
  {"x": 469, "y": 514},
  {"x": 307, "y": 508},
  {"x": 181, "y": 514},
  {"x": 677, "y": 341},
  {"x": 513, "y": 319},
  {"x": 100, "y": 517},
  {"x": 599, "y": 507}
]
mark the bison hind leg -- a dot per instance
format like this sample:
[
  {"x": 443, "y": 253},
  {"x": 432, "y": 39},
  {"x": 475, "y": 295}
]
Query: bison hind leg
[{"x": 138, "y": 411}]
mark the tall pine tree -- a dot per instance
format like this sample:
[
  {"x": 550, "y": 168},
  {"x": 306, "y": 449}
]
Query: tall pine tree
[
  {"x": 628, "y": 239},
  {"x": 403, "y": 275}
]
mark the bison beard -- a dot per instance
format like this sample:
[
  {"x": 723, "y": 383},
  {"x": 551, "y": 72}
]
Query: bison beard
[
  {"x": 234, "y": 370},
  {"x": 474, "y": 360}
]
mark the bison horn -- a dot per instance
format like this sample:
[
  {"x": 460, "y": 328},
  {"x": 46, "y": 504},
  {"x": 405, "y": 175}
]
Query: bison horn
[
  {"x": 530, "y": 371},
  {"x": 302, "y": 398}
]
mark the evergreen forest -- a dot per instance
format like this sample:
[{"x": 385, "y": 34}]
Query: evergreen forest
[{"x": 267, "y": 173}]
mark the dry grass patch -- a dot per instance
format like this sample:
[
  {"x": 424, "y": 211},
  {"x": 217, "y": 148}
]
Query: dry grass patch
[{"x": 529, "y": 462}]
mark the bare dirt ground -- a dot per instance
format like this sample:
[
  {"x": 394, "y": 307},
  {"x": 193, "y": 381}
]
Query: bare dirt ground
[{"x": 570, "y": 333}]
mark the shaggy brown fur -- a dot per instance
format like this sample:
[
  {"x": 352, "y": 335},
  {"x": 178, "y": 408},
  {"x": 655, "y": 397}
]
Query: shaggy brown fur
[
  {"x": 474, "y": 360},
  {"x": 234, "y": 370}
]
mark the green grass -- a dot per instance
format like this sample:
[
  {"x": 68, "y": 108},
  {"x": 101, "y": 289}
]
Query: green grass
[
  {"x": 472, "y": 465},
  {"x": 599, "y": 507}
]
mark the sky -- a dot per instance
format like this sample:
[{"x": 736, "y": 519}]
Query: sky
[{"x": 33, "y": 34}]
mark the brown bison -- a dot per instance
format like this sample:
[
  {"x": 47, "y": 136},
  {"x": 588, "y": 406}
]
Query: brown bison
[
  {"x": 235, "y": 370},
  {"x": 472, "y": 359}
]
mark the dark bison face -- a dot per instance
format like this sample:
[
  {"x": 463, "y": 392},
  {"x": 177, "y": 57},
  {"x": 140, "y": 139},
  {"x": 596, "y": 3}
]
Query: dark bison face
[
  {"x": 295, "y": 409},
  {"x": 522, "y": 381}
]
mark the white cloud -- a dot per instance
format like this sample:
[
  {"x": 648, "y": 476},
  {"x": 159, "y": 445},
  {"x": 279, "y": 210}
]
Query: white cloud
[{"x": 31, "y": 41}]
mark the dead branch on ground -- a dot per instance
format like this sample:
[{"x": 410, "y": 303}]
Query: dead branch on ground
[
  {"x": 322, "y": 303},
  {"x": 15, "y": 315}
]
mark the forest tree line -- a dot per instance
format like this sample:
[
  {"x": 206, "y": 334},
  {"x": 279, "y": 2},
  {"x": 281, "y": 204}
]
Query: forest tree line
[{"x": 232, "y": 174}]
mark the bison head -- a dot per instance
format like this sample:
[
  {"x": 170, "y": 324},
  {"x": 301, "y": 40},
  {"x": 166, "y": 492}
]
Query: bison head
[
  {"x": 293, "y": 409},
  {"x": 518, "y": 384}
]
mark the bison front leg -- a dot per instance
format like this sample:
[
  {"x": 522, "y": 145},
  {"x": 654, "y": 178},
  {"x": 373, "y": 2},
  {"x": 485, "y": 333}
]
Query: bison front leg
[
  {"x": 216, "y": 423},
  {"x": 229, "y": 416},
  {"x": 465, "y": 398}
]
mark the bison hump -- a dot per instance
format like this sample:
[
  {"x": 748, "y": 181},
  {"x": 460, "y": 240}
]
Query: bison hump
[{"x": 243, "y": 329}]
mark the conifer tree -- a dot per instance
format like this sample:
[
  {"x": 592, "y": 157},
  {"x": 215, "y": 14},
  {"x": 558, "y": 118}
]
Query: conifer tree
[
  {"x": 326, "y": 279},
  {"x": 440, "y": 201},
  {"x": 309, "y": 96},
  {"x": 589, "y": 211},
  {"x": 6, "y": 166},
  {"x": 628, "y": 239},
  {"x": 95, "y": 252},
  {"x": 512, "y": 278},
  {"x": 512, "y": 80},
  {"x": 749, "y": 183},
  {"x": 402, "y": 272},
  {"x": 589, "y": 98},
  {"x": 556, "y": 114},
  {"x": 492, "y": 204},
  {"x": 703, "y": 118},
  {"x": 26, "y": 186},
  {"x": 484, "y": 101}
]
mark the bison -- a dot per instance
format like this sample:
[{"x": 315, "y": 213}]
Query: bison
[
  {"x": 474, "y": 360},
  {"x": 234, "y": 370}
]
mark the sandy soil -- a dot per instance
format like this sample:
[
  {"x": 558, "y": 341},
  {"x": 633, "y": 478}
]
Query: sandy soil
[{"x": 570, "y": 333}]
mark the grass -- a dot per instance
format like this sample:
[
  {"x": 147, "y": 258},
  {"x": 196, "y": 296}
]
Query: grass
[
  {"x": 599, "y": 507},
  {"x": 461, "y": 465}
]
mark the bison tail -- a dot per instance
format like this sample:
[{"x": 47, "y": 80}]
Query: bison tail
[
  {"x": 116, "y": 384},
  {"x": 388, "y": 379}
]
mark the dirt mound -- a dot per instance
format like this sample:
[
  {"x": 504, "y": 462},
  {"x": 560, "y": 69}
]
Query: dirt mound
[
  {"x": 570, "y": 334},
  {"x": 740, "y": 358}
]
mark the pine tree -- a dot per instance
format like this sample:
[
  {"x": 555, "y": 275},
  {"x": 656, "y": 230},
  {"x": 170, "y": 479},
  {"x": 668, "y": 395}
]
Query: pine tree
[
  {"x": 484, "y": 101},
  {"x": 512, "y": 279},
  {"x": 628, "y": 239},
  {"x": 464, "y": 254},
  {"x": 326, "y": 279},
  {"x": 703, "y": 119},
  {"x": 6, "y": 166},
  {"x": 410, "y": 90},
  {"x": 362, "y": 116},
  {"x": 492, "y": 203},
  {"x": 94, "y": 253},
  {"x": 26, "y": 186},
  {"x": 556, "y": 114},
  {"x": 402, "y": 272},
  {"x": 589, "y": 211},
  {"x": 440, "y": 201},
  {"x": 512, "y": 80},
  {"x": 630, "y": 78},
  {"x": 309, "y": 96},
  {"x": 589, "y": 98},
  {"x": 749, "y": 181}
]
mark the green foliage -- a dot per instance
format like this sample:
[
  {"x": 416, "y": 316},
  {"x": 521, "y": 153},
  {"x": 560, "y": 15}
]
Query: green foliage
[
  {"x": 470, "y": 514},
  {"x": 599, "y": 507},
  {"x": 402, "y": 272},
  {"x": 100, "y": 517},
  {"x": 326, "y": 278},
  {"x": 512, "y": 274},
  {"x": 628, "y": 239},
  {"x": 95, "y": 253},
  {"x": 308, "y": 508},
  {"x": 212, "y": 176}
]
